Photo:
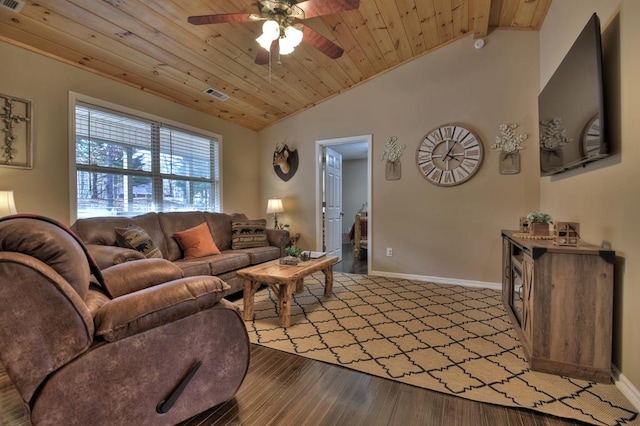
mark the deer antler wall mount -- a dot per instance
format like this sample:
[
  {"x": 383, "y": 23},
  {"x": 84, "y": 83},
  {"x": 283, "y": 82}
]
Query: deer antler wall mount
[{"x": 285, "y": 161}]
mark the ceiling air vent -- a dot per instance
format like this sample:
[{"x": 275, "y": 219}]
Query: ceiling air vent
[
  {"x": 13, "y": 5},
  {"x": 216, "y": 94}
]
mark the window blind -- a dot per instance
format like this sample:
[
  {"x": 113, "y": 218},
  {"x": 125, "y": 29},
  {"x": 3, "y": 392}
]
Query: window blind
[{"x": 128, "y": 165}]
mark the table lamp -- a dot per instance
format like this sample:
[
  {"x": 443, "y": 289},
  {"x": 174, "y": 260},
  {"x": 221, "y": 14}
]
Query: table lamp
[
  {"x": 7, "y": 205},
  {"x": 274, "y": 205}
]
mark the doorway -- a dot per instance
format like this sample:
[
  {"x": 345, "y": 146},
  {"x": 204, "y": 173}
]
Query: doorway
[{"x": 336, "y": 207}]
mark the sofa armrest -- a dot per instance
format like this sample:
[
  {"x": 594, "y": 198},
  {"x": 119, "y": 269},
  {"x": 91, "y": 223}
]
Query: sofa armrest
[
  {"x": 130, "y": 277},
  {"x": 155, "y": 306},
  {"x": 279, "y": 238},
  {"x": 106, "y": 256}
]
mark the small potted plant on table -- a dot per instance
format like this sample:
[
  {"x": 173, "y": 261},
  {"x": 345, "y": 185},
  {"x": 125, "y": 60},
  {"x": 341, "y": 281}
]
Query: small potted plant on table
[
  {"x": 293, "y": 256},
  {"x": 539, "y": 223}
]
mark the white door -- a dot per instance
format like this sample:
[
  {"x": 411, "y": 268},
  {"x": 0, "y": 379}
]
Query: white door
[{"x": 333, "y": 203}]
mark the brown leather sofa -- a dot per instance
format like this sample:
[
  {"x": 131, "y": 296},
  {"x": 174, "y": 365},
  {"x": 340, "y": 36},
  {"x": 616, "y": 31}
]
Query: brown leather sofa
[
  {"x": 100, "y": 237},
  {"x": 134, "y": 343}
]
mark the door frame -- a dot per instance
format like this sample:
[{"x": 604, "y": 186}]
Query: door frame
[{"x": 319, "y": 157}]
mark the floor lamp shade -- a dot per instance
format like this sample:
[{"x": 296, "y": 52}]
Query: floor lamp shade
[{"x": 7, "y": 205}]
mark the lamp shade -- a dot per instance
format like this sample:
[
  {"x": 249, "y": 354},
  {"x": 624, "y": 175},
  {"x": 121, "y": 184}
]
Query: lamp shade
[
  {"x": 270, "y": 32},
  {"x": 7, "y": 205},
  {"x": 274, "y": 205},
  {"x": 292, "y": 38}
]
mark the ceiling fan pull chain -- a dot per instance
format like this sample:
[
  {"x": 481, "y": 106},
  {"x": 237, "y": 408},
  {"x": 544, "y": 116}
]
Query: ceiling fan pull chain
[{"x": 269, "y": 66}]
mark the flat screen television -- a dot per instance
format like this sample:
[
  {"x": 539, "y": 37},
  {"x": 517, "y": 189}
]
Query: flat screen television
[{"x": 571, "y": 107}]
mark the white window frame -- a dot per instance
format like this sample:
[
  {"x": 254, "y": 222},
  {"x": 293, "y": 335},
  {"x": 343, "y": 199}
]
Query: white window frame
[{"x": 75, "y": 98}]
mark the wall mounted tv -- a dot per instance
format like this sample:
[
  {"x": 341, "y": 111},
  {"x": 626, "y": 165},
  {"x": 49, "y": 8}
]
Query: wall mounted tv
[{"x": 571, "y": 107}]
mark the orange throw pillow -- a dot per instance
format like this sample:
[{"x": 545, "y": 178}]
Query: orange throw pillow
[{"x": 197, "y": 242}]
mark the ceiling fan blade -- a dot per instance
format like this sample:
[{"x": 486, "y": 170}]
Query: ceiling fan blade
[
  {"x": 263, "y": 55},
  {"x": 320, "y": 42},
  {"x": 223, "y": 18},
  {"x": 313, "y": 8}
]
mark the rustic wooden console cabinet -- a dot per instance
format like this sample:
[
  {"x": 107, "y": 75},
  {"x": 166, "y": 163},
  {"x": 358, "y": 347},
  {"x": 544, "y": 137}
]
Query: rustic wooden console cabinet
[{"x": 560, "y": 300}]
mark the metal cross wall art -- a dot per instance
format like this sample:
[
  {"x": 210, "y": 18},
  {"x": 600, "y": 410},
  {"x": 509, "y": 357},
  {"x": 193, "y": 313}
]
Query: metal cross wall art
[{"x": 15, "y": 114}]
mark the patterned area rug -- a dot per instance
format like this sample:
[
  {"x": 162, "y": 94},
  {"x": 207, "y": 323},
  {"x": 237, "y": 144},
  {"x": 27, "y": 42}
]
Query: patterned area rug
[{"x": 452, "y": 339}]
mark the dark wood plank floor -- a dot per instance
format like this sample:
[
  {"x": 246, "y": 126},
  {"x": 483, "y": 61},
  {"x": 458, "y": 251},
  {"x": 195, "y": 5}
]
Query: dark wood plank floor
[
  {"x": 285, "y": 389},
  {"x": 349, "y": 264}
]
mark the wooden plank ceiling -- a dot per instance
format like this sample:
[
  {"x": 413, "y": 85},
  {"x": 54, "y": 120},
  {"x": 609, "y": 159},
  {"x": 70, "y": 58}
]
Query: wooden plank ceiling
[{"x": 150, "y": 45}]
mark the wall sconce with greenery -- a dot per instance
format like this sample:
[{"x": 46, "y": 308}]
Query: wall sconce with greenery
[
  {"x": 392, "y": 153},
  {"x": 509, "y": 146}
]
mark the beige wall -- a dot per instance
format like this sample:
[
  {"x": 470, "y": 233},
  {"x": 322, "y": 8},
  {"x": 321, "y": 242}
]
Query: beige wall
[
  {"x": 436, "y": 232},
  {"x": 46, "y": 82},
  {"x": 604, "y": 196}
]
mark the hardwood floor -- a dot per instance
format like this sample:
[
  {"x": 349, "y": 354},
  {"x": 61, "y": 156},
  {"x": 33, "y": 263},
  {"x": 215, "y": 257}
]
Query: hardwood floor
[
  {"x": 285, "y": 389},
  {"x": 349, "y": 264}
]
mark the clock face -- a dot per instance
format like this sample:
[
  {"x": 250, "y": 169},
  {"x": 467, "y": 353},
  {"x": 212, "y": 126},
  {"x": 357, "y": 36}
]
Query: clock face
[
  {"x": 449, "y": 155},
  {"x": 591, "y": 138}
]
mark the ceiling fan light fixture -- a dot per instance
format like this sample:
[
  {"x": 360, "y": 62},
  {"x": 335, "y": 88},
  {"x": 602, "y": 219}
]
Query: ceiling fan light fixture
[
  {"x": 294, "y": 35},
  {"x": 291, "y": 39},
  {"x": 285, "y": 47},
  {"x": 271, "y": 29},
  {"x": 270, "y": 32},
  {"x": 264, "y": 41}
]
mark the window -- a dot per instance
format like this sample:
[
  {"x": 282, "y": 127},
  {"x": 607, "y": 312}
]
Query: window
[{"x": 128, "y": 165}]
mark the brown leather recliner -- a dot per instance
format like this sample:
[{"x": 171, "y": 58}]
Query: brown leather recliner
[{"x": 133, "y": 344}]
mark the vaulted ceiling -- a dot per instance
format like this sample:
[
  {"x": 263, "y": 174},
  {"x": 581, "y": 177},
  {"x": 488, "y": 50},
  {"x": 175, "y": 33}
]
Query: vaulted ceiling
[{"x": 150, "y": 45}]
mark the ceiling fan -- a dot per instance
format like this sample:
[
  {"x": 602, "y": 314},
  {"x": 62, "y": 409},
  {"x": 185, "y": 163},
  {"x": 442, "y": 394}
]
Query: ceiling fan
[{"x": 281, "y": 24}]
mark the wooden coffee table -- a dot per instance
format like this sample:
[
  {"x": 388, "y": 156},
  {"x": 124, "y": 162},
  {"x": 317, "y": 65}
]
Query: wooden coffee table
[{"x": 282, "y": 279}]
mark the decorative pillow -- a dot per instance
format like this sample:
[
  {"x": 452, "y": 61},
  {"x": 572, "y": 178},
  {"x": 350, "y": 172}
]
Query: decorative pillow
[
  {"x": 249, "y": 233},
  {"x": 136, "y": 238},
  {"x": 196, "y": 242}
]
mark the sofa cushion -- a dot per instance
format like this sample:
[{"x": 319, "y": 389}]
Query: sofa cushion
[
  {"x": 172, "y": 222},
  {"x": 196, "y": 242},
  {"x": 220, "y": 226},
  {"x": 262, "y": 254},
  {"x": 249, "y": 233},
  {"x": 134, "y": 237},
  {"x": 193, "y": 267},
  {"x": 99, "y": 230},
  {"x": 228, "y": 260}
]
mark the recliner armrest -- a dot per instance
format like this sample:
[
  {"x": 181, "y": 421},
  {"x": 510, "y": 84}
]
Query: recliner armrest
[
  {"x": 130, "y": 277},
  {"x": 155, "y": 306}
]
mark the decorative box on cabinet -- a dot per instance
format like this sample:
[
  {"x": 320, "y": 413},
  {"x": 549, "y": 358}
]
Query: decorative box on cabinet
[{"x": 560, "y": 300}]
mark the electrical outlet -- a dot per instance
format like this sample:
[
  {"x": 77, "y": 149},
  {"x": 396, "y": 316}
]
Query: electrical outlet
[{"x": 389, "y": 252}]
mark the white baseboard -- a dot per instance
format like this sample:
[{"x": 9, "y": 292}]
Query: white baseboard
[
  {"x": 622, "y": 383},
  {"x": 626, "y": 387},
  {"x": 439, "y": 280}
]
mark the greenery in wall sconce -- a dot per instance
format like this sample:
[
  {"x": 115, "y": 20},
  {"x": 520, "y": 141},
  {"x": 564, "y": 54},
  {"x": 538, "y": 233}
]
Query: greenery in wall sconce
[
  {"x": 509, "y": 144},
  {"x": 553, "y": 135},
  {"x": 392, "y": 153}
]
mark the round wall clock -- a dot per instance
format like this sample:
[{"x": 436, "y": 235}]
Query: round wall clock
[
  {"x": 449, "y": 155},
  {"x": 591, "y": 137}
]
